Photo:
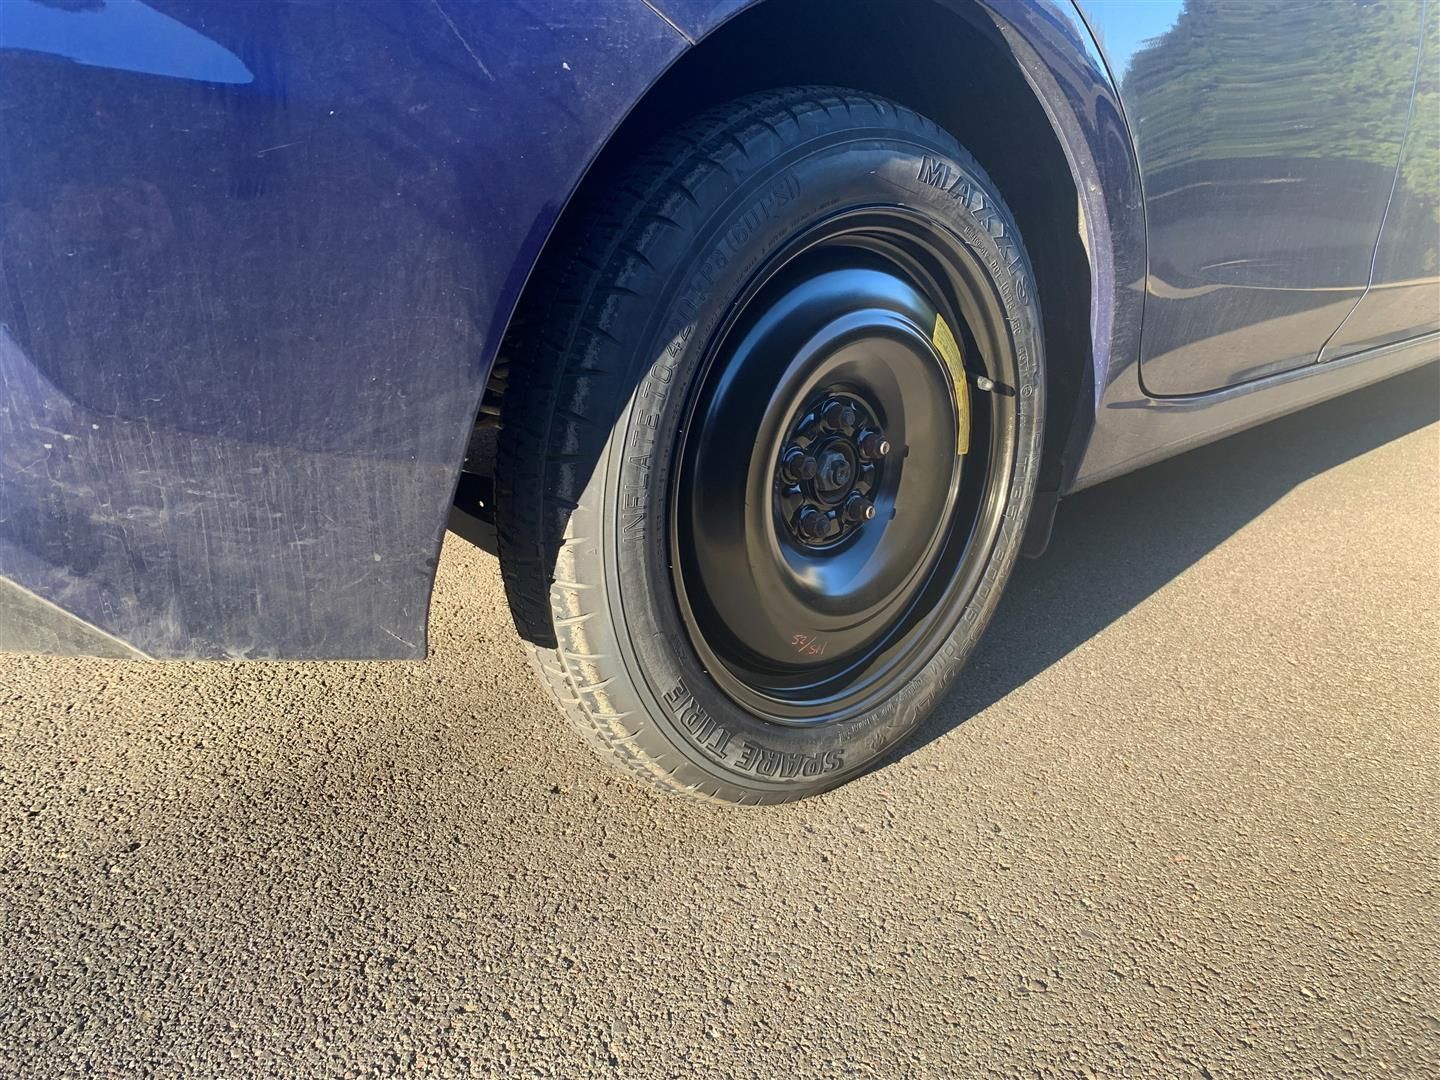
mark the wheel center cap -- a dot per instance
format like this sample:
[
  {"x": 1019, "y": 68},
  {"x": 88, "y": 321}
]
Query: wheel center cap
[
  {"x": 834, "y": 475},
  {"x": 829, "y": 470}
]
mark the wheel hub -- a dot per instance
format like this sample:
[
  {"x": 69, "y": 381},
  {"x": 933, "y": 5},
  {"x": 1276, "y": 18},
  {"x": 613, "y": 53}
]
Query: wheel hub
[{"x": 829, "y": 469}]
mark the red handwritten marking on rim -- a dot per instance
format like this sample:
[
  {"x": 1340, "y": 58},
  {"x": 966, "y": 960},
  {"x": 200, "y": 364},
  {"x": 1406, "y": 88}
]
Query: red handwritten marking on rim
[{"x": 808, "y": 646}]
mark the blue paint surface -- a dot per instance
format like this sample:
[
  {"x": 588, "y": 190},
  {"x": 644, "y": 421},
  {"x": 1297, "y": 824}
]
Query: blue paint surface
[
  {"x": 124, "y": 35},
  {"x": 246, "y": 324},
  {"x": 1268, "y": 135}
]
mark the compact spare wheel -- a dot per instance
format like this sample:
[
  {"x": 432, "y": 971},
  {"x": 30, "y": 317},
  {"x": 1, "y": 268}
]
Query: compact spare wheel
[{"x": 766, "y": 465}]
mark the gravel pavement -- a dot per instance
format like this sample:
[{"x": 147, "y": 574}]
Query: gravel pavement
[{"x": 1178, "y": 820}]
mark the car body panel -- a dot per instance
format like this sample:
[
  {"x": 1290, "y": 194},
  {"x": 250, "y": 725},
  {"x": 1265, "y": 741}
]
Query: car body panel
[
  {"x": 1404, "y": 296},
  {"x": 251, "y": 297},
  {"x": 250, "y": 300},
  {"x": 1133, "y": 429},
  {"x": 1268, "y": 135}
]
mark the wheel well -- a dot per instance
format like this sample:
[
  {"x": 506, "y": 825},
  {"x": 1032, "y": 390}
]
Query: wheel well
[{"x": 950, "y": 64}]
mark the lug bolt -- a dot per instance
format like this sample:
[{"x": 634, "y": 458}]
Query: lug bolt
[
  {"x": 799, "y": 465},
  {"x": 873, "y": 446},
  {"x": 838, "y": 416},
  {"x": 858, "y": 508},
  {"x": 812, "y": 523}
]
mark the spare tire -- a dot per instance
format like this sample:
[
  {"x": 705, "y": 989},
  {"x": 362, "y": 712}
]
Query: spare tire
[{"x": 770, "y": 444}]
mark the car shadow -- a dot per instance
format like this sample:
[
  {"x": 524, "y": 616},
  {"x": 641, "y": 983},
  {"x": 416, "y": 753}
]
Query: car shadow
[{"x": 1116, "y": 544}]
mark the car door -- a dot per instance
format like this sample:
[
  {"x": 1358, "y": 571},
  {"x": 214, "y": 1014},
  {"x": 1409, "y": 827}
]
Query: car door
[
  {"x": 1404, "y": 296},
  {"x": 1267, "y": 133}
]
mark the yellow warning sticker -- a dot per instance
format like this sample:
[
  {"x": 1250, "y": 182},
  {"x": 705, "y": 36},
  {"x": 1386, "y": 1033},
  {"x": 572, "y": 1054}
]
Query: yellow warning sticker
[{"x": 949, "y": 349}]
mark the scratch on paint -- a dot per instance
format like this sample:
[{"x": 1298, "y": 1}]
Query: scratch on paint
[
  {"x": 668, "y": 21},
  {"x": 473, "y": 54},
  {"x": 398, "y": 638}
]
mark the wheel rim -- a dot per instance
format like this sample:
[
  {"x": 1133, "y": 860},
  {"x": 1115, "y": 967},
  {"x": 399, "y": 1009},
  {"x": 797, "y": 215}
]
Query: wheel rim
[{"x": 826, "y": 527}]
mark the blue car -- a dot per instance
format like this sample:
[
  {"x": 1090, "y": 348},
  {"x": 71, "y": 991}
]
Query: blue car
[{"x": 758, "y": 339}]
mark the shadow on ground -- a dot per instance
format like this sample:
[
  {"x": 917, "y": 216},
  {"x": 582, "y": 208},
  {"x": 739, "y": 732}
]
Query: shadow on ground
[{"x": 1116, "y": 544}]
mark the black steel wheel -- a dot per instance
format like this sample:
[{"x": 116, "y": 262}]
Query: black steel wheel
[
  {"x": 811, "y": 567},
  {"x": 771, "y": 457}
]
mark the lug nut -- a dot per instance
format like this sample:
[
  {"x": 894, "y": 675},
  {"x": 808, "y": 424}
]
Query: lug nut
[
  {"x": 812, "y": 523},
  {"x": 799, "y": 465},
  {"x": 858, "y": 508},
  {"x": 874, "y": 446},
  {"x": 838, "y": 416}
]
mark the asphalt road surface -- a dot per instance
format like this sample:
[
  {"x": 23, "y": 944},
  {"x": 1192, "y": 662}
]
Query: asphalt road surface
[{"x": 1179, "y": 819}]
